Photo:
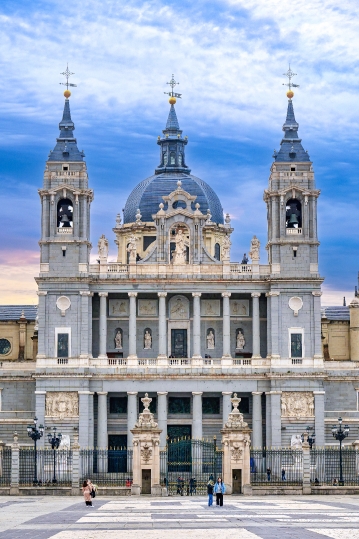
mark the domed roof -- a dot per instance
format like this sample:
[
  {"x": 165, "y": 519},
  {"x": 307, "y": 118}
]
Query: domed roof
[{"x": 148, "y": 194}]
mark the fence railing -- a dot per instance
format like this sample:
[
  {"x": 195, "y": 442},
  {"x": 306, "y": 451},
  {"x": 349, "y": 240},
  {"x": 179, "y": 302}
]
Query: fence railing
[
  {"x": 48, "y": 468},
  {"x": 106, "y": 467},
  {"x": 325, "y": 466},
  {"x": 5, "y": 466},
  {"x": 276, "y": 467}
]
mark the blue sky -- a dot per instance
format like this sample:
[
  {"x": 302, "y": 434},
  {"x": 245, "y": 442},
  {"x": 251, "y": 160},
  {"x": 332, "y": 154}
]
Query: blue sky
[{"x": 229, "y": 57}]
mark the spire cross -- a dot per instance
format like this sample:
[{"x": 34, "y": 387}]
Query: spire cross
[
  {"x": 173, "y": 84},
  {"x": 67, "y": 73},
  {"x": 290, "y": 74}
]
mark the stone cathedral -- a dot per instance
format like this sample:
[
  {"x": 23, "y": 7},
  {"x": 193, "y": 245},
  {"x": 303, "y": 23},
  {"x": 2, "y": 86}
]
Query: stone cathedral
[{"x": 173, "y": 316}]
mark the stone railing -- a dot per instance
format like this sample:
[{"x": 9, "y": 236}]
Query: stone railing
[
  {"x": 294, "y": 231},
  {"x": 241, "y": 268},
  {"x": 64, "y": 230}
]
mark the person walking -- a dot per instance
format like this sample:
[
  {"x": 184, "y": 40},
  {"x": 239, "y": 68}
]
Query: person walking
[
  {"x": 210, "y": 488},
  {"x": 87, "y": 490},
  {"x": 269, "y": 471},
  {"x": 283, "y": 475},
  {"x": 219, "y": 490}
]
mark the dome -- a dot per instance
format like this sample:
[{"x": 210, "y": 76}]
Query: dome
[{"x": 148, "y": 194}]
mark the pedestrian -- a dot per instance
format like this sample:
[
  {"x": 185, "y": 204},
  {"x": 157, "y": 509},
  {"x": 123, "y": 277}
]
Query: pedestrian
[
  {"x": 269, "y": 471},
  {"x": 283, "y": 475},
  {"x": 316, "y": 482},
  {"x": 210, "y": 488},
  {"x": 192, "y": 486},
  {"x": 87, "y": 490},
  {"x": 219, "y": 490}
]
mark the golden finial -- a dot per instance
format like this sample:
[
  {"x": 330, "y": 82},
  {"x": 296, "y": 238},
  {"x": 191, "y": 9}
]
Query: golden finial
[
  {"x": 173, "y": 95},
  {"x": 290, "y": 84},
  {"x": 67, "y": 73}
]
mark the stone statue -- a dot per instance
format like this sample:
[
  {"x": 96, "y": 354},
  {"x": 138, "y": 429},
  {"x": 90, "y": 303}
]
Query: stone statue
[
  {"x": 65, "y": 442},
  {"x": 118, "y": 340},
  {"x": 148, "y": 340},
  {"x": 208, "y": 218},
  {"x": 226, "y": 247},
  {"x": 296, "y": 441},
  {"x": 138, "y": 216},
  {"x": 132, "y": 248},
  {"x": 254, "y": 252},
  {"x": 244, "y": 259},
  {"x": 118, "y": 221},
  {"x": 240, "y": 341},
  {"x": 210, "y": 340},
  {"x": 227, "y": 221},
  {"x": 103, "y": 247},
  {"x": 179, "y": 255}
]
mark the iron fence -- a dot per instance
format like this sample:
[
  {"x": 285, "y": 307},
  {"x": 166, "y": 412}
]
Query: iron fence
[
  {"x": 107, "y": 467},
  {"x": 276, "y": 467},
  {"x": 190, "y": 463},
  {"x": 5, "y": 466},
  {"x": 325, "y": 466},
  {"x": 45, "y": 467}
]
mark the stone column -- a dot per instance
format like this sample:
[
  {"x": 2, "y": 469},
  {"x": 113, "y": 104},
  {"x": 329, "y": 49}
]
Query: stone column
[
  {"x": 103, "y": 326},
  {"x": 40, "y": 397},
  {"x": 317, "y": 352},
  {"x": 226, "y": 325},
  {"x": 226, "y": 405},
  {"x": 268, "y": 420},
  {"x": 354, "y": 329},
  {"x": 162, "y": 416},
  {"x": 269, "y": 330},
  {"x": 162, "y": 326},
  {"x": 319, "y": 409},
  {"x": 131, "y": 415},
  {"x": 41, "y": 312},
  {"x": 257, "y": 437},
  {"x": 274, "y": 303},
  {"x": 84, "y": 339},
  {"x": 132, "y": 336},
  {"x": 196, "y": 325},
  {"x": 197, "y": 433},
  {"x": 276, "y": 420},
  {"x": 102, "y": 420},
  {"x": 84, "y": 417},
  {"x": 256, "y": 346}
]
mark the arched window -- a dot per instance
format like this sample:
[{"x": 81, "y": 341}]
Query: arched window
[
  {"x": 179, "y": 204},
  {"x": 180, "y": 160},
  {"x": 165, "y": 158},
  {"x": 65, "y": 211},
  {"x": 293, "y": 214},
  {"x": 172, "y": 158},
  {"x": 217, "y": 251}
]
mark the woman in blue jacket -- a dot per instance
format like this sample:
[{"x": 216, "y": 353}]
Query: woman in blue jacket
[{"x": 219, "y": 490}]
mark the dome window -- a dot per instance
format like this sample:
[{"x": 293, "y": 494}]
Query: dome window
[
  {"x": 172, "y": 158},
  {"x": 65, "y": 213},
  {"x": 165, "y": 158},
  {"x": 180, "y": 159},
  {"x": 217, "y": 251},
  {"x": 179, "y": 204}
]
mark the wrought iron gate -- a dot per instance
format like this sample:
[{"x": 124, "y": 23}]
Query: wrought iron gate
[{"x": 187, "y": 465}]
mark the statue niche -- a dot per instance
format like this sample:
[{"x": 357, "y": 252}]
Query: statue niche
[
  {"x": 179, "y": 245},
  {"x": 147, "y": 339},
  {"x": 210, "y": 339},
  {"x": 240, "y": 340}
]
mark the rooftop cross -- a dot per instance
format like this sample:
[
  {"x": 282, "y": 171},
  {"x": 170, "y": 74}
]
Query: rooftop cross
[
  {"x": 290, "y": 74},
  {"x": 173, "y": 94},
  {"x": 67, "y": 73}
]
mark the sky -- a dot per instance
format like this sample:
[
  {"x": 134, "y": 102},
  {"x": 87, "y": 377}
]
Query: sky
[{"x": 229, "y": 57}]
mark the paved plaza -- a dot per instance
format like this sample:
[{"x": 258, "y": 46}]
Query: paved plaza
[{"x": 281, "y": 517}]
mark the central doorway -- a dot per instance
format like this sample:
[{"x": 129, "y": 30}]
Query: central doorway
[
  {"x": 179, "y": 342},
  {"x": 146, "y": 482}
]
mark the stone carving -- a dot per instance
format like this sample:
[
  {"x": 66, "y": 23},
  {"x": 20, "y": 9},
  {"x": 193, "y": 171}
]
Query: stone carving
[
  {"x": 118, "y": 339},
  {"x": 103, "y": 247},
  {"x": 240, "y": 340},
  {"x": 65, "y": 442},
  {"x": 179, "y": 255},
  {"x": 179, "y": 308},
  {"x": 132, "y": 248},
  {"x": 226, "y": 248},
  {"x": 297, "y": 404},
  {"x": 63, "y": 303},
  {"x": 237, "y": 452},
  {"x": 138, "y": 216},
  {"x": 210, "y": 307},
  {"x": 227, "y": 221},
  {"x": 296, "y": 441},
  {"x": 254, "y": 252},
  {"x": 295, "y": 304},
  {"x": 146, "y": 453},
  {"x": 210, "y": 340},
  {"x": 148, "y": 340},
  {"x": 118, "y": 307},
  {"x": 147, "y": 307},
  {"x": 239, "y": 307},
  {"x": 145, "y": 419},
  {"x": 62, "y": 404},
  {"x": 118, "y": 221},
  {"x": 208, "y": 218},
  {"x": 235, "y": 418}
]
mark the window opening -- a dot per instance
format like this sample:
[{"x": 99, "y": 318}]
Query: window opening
[
  {"x": 65, "y": 213},
  {"x": 217, "y": 251},
  {"x": 296, "y": 345},
  {"x": 293, "y": 214}
]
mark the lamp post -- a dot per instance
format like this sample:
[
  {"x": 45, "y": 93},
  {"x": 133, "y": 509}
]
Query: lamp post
[
  {"x": 339, "y": 433},
  {"x": 310, "y": 437},
  {"x": 35, "y": 434},
  {"x": 54, "y": 441}
]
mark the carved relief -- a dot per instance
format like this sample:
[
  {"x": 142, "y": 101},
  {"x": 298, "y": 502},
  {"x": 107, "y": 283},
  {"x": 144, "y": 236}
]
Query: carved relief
[
  {"x": 179, "y": 308},
  {"x": 147, "y": 307},
  {"x": 237, "y": 452},
  {"x": 62, "y": 404},
  {"x": 118, "y": 307},
  {"x": 146, "y": 453},
  {"x": 239, "y": 307},
  {"x": 297, "y": 404},
  {"x": 210, "y": 307}
]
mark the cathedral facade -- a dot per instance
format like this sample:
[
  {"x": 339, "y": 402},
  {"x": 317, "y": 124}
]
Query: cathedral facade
[{"x": 174, "y": 317}]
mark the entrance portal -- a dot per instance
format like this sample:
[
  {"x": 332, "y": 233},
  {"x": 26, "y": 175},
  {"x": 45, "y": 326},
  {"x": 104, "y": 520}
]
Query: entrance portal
[
  {"x": 146, "y": 482},
  {"x": 179, "y": 342},
  {"x": 237, "y": 481}
]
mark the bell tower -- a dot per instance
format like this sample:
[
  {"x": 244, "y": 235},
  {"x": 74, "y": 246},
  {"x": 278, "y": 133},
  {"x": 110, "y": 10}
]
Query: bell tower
[
  {"x": 65, "y": 199},
  {"x": 291, "y": 200}
]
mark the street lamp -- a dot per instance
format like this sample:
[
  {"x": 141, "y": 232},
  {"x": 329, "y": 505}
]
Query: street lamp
[
  {"x": 310, "y": 437},
  {"x": 54, "y": 441},
  {"x": 339, "y": 433},
  {"x": 35, "y": 434}
]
